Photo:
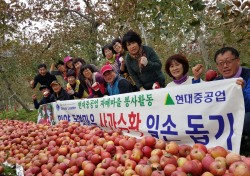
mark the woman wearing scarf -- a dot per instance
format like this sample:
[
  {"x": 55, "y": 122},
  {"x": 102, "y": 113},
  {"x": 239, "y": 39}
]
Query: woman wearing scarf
[
  {"x": 177, "y": 67},
  {"x": 143, "y": 64},
  {"x": 111, "y": 58},
  {"x": 94, "y": 80}
]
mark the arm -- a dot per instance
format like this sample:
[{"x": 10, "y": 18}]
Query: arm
[
  {"x": 197, "y": 71},
  {"x": 101, "y": 81},
  {"x": 154, "y": 63},
  {"x": 124, "y": 86},
  {"x": 132, "y": 73}
]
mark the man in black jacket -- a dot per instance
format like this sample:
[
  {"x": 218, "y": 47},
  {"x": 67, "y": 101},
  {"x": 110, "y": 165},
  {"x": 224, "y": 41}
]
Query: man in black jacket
[
  {"x": 43, "y": 77},
  {"x": 47, "y": 97},
  {"x": 59, "y": 92}
]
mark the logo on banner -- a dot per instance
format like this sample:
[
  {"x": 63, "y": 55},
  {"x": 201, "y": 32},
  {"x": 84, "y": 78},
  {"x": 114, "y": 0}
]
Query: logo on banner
[
  {"x": 57, "y": 107},
  {"x": 169, "y": 100}
]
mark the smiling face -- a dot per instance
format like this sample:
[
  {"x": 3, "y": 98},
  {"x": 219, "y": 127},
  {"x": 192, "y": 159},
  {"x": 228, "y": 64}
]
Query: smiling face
[
  {"x": 78, "y": 65},
  {"x": 227, "y": 64},
  {"x": 108, "y": 53},
  {"x": 56, "y": 88},
  {"x": 133, "y": 47},
  {"x": 109, "y": 76},
  {"x": 71, "y": 80},
  {"x": 42, "y": 71},
  {"x": 87, "y": 73},
  {"x": 69, "y": 64},
  {"x": 118, "y": 48},
  {"x": 176, "y": 69}
]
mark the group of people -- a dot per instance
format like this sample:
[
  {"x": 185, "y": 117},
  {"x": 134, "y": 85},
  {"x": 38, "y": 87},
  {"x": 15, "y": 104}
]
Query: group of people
[{"x": 131, "y": 66}]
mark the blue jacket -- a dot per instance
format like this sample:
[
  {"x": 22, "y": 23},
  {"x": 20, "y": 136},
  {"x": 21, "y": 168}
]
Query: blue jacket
[{"x": 120, "y": 86}]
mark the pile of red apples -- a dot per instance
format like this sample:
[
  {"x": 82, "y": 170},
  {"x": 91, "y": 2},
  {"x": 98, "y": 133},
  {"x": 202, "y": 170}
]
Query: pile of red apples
[{"x": 71, "y": 149}]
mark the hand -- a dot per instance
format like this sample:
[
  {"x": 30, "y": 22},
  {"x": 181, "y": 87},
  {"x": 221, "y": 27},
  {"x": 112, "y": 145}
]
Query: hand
[
  {"x": 197, "y": 71},
  {"x": 34, "y": 96},
  {"x": 144, "y": 61},
  {"x": 156, "y": 85},
  {"x": 95, "y": 86},
  {"x": 142, "y": 89},
  {"x": 121, "y": 60},
  {"x": 32, "y": 84},
  {"x": 71, "y": 92},
  {"x": 240, "y": 82}
]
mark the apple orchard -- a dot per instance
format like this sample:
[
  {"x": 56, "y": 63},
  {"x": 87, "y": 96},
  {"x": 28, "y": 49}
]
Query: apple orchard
[{"x": 69, "y": 148}]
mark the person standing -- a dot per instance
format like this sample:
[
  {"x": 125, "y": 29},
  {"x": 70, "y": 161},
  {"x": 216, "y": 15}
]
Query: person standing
[
  {"x": 143, "y": 64},
  {"x": 43, "y": 77},
  {"x": 121, "y": 54},
  {"x": 228, "y": 64},
  {"x": 94, "y": 81},
  {"x": 177, "y": 67},
  {"x": 115, "y": 83}
]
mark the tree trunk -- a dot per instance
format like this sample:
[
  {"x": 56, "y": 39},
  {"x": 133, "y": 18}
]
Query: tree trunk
[{"x": 15, "y": 96}]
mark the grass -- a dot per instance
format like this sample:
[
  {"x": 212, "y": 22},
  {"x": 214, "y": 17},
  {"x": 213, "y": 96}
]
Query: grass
[{"x": 21, "y": 115}]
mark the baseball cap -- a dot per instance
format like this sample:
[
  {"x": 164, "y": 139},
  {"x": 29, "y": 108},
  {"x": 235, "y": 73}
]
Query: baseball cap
[
  {"x": 106, "y": 68},
  {"x": 43, "y": 87},
  {"x": 66, "y": 59},
  {"x": 55, "y": 83}
]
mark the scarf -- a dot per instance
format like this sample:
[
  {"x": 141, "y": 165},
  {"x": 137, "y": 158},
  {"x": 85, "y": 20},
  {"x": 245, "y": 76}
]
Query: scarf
[
  {"x": 182, "y": 80},
  {"x": 138, "y": 56}
]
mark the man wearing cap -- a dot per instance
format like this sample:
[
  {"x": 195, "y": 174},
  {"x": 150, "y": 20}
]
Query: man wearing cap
[
  {"x": 47, "y": 97},
  {"x": 59, "y": 92},
  {"x": 43, "y": 77},
  {"x": 115, "y": 83}
]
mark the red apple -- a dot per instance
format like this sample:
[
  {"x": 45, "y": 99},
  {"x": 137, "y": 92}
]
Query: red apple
[
  {"x": 218, "y": 151},
  {"x": 184, "y": 150},
  {"x": 169, "y": 169},
  {"x": 146, "y": 150},
  {"x": 239, "y": 168},
  {"x": 206, "y": 161},
  {"x": 232, "y": 157},
  {"x": 172, "y": 147},
  {"x": 160, "y": 144},
  {"x": 197, "y": 154},
  {"x": 217, "y": 168},
  {"x": 200, "y": 146},
  {"x": 168, "y": 159}
]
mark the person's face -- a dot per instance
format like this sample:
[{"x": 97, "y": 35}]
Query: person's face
[
  {"x": 227, "y": 64},
  {"x": 176, "y": 69},
  {"x": 69, "y": 64},
  {"x": 109, "y": 76},
  {"x": 71, "y": 80},
  {"x": 118, "y": 47},
  {"x": 78, "y": 65},
  {"x": 87, "y": 73},
  {"x": 133, "y": 47},
  {"x": 108, "y": 53},
  {"x": 42, "y": 71},
  {"x": 61, "y": 68},
  {"x": 56, "y": 88}
]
